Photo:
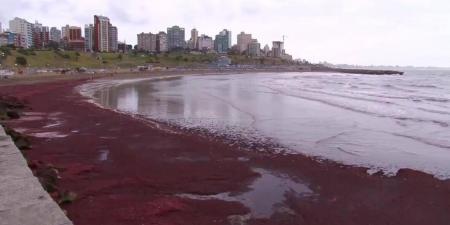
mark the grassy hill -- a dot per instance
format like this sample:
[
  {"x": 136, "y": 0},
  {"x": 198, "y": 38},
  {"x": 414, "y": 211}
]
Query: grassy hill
[
  {"x": 72, "y": 59},
  {"x": 243, "y": 59}
]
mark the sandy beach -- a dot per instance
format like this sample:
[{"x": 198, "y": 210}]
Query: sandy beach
[{"x": 127, "y": 171}]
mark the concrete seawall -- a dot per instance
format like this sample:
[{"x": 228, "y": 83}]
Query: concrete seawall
[{"x": 23, "y": 201}]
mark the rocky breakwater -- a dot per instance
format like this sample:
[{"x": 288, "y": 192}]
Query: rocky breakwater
[{"x": 355, "y": 71}]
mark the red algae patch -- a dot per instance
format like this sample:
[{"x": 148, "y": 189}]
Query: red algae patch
[{"x": 134, "y": 176}]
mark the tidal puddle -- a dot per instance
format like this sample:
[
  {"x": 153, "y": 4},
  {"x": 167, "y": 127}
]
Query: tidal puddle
[
  {"x": 266, "y": 195},
  {"x": 49, "y": 135},
  {"x": 189, "y": 158},
  {"x": 28, "y": 118},
  {"x": 55, "y": 123},
  {"x": 103, "y": 156}
]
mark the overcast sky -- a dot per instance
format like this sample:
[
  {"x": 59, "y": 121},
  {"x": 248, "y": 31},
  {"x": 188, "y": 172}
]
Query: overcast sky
[{"x": 365, "y": 32}]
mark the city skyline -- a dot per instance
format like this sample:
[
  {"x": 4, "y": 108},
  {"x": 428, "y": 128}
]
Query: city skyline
[
  {"x": 102, "y": 36},
  {"x": 403, "y": 32}
]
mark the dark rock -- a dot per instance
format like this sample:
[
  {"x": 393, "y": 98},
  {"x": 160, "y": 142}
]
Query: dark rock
[
  {"x": 21, "y": 141},
  {"x": 13, "y": 114},
  {"x": 67, "y": 197}
]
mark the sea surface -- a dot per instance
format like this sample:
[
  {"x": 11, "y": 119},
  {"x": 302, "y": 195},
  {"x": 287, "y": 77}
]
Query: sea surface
[{"x": 384, "y": 123}]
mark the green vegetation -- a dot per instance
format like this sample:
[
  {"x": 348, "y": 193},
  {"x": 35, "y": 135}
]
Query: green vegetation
[
  {"x": 244, "y": 59},
  {"x": 56, "y": 58},
  {"x": 71, "y": 59},
  {"x": 20, "y": 60}
]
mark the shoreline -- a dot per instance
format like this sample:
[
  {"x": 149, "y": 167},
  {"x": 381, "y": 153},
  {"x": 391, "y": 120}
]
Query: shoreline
[
  {"x": 45, "y": 77},
  {"x": 127, "y": 184}
]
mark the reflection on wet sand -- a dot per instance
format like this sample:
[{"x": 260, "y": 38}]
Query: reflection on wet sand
[{"x": 352, "y": 119}]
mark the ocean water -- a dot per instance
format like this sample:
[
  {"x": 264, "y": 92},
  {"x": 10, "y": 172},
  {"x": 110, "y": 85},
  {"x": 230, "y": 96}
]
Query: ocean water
[{"x": 384, "y": 123}]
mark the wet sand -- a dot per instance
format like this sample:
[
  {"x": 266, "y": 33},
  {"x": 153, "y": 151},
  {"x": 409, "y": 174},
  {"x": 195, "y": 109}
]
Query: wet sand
[{"x": 126, "y": 171}]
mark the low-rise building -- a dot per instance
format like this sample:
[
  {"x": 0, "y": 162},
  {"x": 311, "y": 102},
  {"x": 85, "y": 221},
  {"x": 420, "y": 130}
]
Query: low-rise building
[
  {"x": 9, "y": 38},
  {"x": 223, "y": 61},
  {"x": 3, "y": 39},
  {"x": 124, "y": 47}
]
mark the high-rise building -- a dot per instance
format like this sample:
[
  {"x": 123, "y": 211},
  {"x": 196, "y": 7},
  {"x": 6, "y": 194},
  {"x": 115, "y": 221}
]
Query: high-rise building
[
  {"x": 254, "y": 48},
  {"x": 222, "y": 43},
  {"x": 24, "y": 28},
  {"x": 193, "y": 42},
  {"x": 55, "y": 35},
  {"x": 1, "y": 28},
  {"x": 176, "y": 38},
  {"x": 113, "y": 38},
  {"x": 243, "y": 40},
  {"x": 41, "y": 36},
  {"x": 65, "y": 32},
  {"x": 142, "y": 42},
  {"x": 277, "y": 49},
  {"x": 205, "y": 43},
  {"x": 89, "y": 37},
  {"x": 147, "y": 42},
  {"x": 266, "y": 50},
  {"x": 230, "y": 41},
  {"x": 74, "y": 39},
  {"x": 105, "y": 35},
  {"x": 161, "y": 42},
  {"x": 101, "y": 34}
]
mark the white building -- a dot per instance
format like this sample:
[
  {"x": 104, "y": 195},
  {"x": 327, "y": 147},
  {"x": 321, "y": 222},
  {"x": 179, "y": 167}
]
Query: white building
[
  {"x": 65, "y": 32},
  {"x": 205, "y": 43},
  {"x": 277, "y": 49},
  {"x": 193, "y": 42},
  {"x": 161, "y": 42},
  {"x": 89, "y": 37},
  {"x": 243, "y": 40},
  {"x": 24, "y": 28}
]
